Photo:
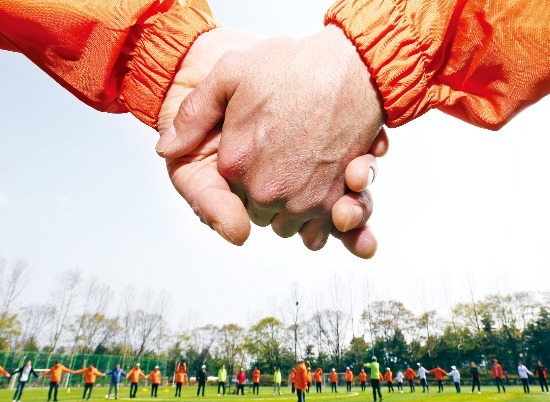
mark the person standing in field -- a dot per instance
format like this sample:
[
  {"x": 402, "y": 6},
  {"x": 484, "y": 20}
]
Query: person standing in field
[
  {"x": 90, "y": 374},
  {"x": 456, "y": 378},
  {"x": 349, "y": 378},
  {"x": 300, "y": 380},
  {"x": 374, "y": 367},
  {"x": 422, "y": 375},
  {"x": 55, "y": 373},
  {"x": 333, "y": 381},
  {"x": 291, "y": 379},
  {"x": 318, "y": 377},
  {"x": 497, "y": 375},
  {"x": 363, "y": 380},
  {"x": 524, "y": 374},
  {"x": 399, "y": 377},
  {"x": 25, "y": 373},
  {"x": 277, "y": 379},
  {"x": 388, "y": 376},
  {"x": 222, "y": 378},
  {"x": 309, "y": 378},
  {"x": 256, "y": 381},
  {"x": 116, "y": 375},
  {"x": 410, "y": 375},
  {"x": 181, "y": 371},
  {"x": 241, "y": 379},
  {"x": 134, "y": 375},
  {"x": 156, "y": 378},
  {"x": 201, "y": 380},
  {"x": 474, "y": 373},
  {"x": 438, "y": 372},
  {"x": 542, "y": 373}
]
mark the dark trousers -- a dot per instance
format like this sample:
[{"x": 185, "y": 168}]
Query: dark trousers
[
  {"x": 201, "y": 386},
  {"x": 475, "y": 381},
  {"x": 499, "y": 383},
  {"x": 221, "y": 385},
  {"x": 375, "y": 384},
  {"x": 240, "y": 387},
  {"x": 256, "y": 388},
  {"x": 307, "y": 389},
  {"x": 293, "y": 389},
  {"x": 178, "y": 389},
  {"x": 543, "y": 383},
  {"x": 390, "y": 386},
  {"x": 301, "y": 395},
  {"x": 19, "y": 390},
  {"x": 318, "y": 386},
  {"x": 525, "y": 383},
  {"x": 424, "y": 385},
  {"x": 87, "y": 389},
  {"x": 53, "y": 387},
  {"x": 399, "y": 386},
  {"x": 133, "y": 389},
  {"x": 363, "y": 386},
  {"x": 439, "y": 385},
  {"x": 348, "y": 386},
  {"x": 457, "y": 386},
  {"x": 333, "y": 387},
  {"x": 154, "y": 389},
  {"x": 411, "y": 385}
]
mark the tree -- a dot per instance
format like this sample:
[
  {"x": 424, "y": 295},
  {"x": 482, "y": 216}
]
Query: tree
[
  {"x": 230, "y": 347},
  {"x": 264, "y": 342},
  {"x": 11, "y": 286},
  {"x": 64, "y": 295}
]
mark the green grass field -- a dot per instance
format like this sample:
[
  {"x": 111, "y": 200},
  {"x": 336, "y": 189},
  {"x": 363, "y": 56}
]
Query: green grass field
[{"x": 189, "y": 394}]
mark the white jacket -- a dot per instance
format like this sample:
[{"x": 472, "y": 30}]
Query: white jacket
[
  {"x": 523, "y": 372},
  {"x": 455, "y": 374}
]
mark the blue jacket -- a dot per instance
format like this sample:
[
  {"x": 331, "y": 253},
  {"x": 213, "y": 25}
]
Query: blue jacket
[{"x": 116, "y": 375}]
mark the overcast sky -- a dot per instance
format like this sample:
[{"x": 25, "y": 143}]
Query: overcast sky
[{"x": 454, "y": 205}]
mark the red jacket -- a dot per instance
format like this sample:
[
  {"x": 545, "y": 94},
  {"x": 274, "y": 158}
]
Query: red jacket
[
  {"x": 438, "y": 373},
  {"x": 410, "y": 374},
  {"x": 497, "y": 370},
  {"x": 241, "y": 377}
]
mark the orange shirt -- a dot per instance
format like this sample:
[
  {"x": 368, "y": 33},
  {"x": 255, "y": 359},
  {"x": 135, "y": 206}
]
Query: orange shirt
[
  {"x": 410, "y": 374},
  {"x": 333, "y": 376},
  {"x": 388, "y": 376},
  {"x": 180, "y": 375},
  {"x": 349, "y": 375},
  {"x": 309, "y": 376},
  {"x": 256, "y": 376},
  {"x": 380, "y": 377},
  {"x": 56, "y": 372},
  {"x": 318, "y": 375},
  {"x": 497, "y": 370},
  {"x": 292, "y": 375},
  {"x": 439, "y": 373},
  {"x": 135, "y": 373},
  {"x": 90, "y": 374},
  {"x": 155, "y": 376},
  {"x": 363, "y": 376},
  {"x": 4, "y": 372},
  {"x": 300, "y": 377}
]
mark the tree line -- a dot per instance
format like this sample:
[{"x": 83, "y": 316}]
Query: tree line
[{"x": 87, "y": 317}]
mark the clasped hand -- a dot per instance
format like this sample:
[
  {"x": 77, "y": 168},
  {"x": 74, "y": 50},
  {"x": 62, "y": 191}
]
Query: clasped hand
[{"x": 277, "y": 131}]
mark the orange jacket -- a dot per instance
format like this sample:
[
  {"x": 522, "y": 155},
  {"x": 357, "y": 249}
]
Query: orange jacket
[
  {"x": 349, "y": 375},
  {"x": 309, "y": 376},
  {"x": 333, "y": 376},
  {"x": 439, "y": 373},
  {"x": 90, "y": 374},
  {"x": 363, "y": 376},
  {"x": 155, "y": 376},
  {"x": 256, "y": 376},
  {"x": 478, "y": 60},
  {"x": 318, "y": 375},
  {"x": 292, "y": 375},
  {"x": 380, "y": 377},
  {"x": 180, "y": 374},
  {"x": 4, "y": 372},
  {"x": 497, "y": 370},
  {"x": 135, "y": 373},
  {"x": 410, "y": 374},
  {"x": 388, "y": 376},
  {"x": 300, "y": 377},
  {"x": 56, "y": 372}
]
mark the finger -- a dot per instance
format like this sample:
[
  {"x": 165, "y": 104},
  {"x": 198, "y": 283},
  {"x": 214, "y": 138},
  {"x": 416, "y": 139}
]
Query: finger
[
  {"x": 315, "y": 233},
  {"x": 360, "y": 242},
  {"x": 201, "y": 110},
  {"x": 211, "y": 199},
  {"x": 360, "y": 172},
  {"x": 380, "y": 145},
  {"x": 352, "y": 211},
  {"x": 259, "y": 216},
  {"x": 286, "y": 225}
]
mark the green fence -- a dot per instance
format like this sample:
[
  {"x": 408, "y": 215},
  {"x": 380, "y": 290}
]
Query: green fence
[{"x": 11, "y": 361}]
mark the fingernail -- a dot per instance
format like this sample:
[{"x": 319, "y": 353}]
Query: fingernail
[
  {"x": 355, "y": 217},
  {"x": 218, "y": 228},
  {"x": 166, "y": 139},
  {"x": 372, "y": 175}
]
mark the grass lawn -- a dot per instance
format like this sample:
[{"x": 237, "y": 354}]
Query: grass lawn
[{"x": 189, "y": 394}]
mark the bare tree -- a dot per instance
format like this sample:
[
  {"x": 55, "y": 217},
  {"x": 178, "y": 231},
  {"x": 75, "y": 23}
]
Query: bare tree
[
  {"x": 68, "y": 283},
  {"x": 34, "y": 320},
  {"x": 11, "y": 286}
]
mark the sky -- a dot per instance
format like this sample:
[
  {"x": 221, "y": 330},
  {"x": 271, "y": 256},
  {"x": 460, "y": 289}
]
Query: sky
[{"x": 456, "y": 207}]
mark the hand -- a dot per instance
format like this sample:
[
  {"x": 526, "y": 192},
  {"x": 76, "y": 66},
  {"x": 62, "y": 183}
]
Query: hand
[{"x": 290, "y": 125}]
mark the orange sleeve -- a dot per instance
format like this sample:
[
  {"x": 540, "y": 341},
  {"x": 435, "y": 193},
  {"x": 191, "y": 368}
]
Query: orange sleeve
[
  {"x": 479, "y": 60},
  {"x": 114, "y": 56}
]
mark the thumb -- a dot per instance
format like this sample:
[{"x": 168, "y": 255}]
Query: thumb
[{"x": 200, "y": 111}]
